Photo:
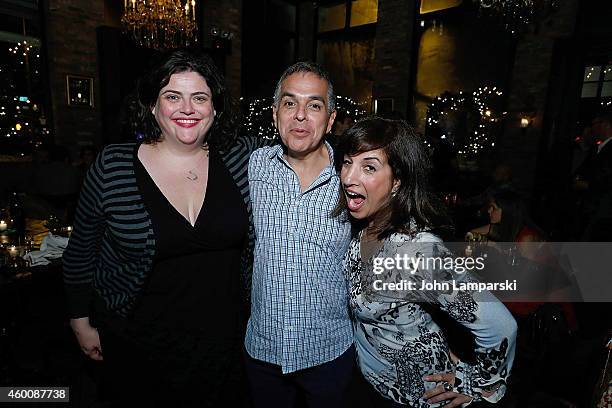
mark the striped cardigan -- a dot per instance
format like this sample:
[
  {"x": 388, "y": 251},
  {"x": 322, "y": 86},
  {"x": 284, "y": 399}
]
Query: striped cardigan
[{"x": 112, "y": 246}]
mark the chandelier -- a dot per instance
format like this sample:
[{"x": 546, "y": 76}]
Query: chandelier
[
  {"x": 518, "y": 15},
  {"x": 160, "y": 24}
]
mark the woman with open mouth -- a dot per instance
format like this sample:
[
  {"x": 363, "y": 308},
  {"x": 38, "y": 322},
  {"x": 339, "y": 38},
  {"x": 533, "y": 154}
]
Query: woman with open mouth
[{"x": 402, "y": 351}]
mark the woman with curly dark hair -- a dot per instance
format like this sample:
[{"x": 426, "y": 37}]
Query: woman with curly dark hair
[
  {"x": 394, "y": 254},
  {"x": 161, "y": 236}
]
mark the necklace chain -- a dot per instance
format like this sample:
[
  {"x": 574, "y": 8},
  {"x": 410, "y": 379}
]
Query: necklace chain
[{"x": 192, "y": 175}]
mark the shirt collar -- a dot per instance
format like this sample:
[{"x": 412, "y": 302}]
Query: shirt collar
[{"x": 278, "y": 151}]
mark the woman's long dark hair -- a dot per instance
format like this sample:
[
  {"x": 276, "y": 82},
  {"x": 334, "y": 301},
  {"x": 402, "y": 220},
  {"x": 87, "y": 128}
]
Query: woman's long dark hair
[
  {"x": 224, "y": 129},
  {"x": 514, "y": 217},
  {"x": 413, "y": 200}
]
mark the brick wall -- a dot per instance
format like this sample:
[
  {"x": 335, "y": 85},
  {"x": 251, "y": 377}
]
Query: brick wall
[
  {"x": 72, "y": 49},
  {"x": 394, "y": 51},
  {"x": 226, "y": 15},
  {"x": 530, "y": 89},
  {"x": 306, "y": 31}
]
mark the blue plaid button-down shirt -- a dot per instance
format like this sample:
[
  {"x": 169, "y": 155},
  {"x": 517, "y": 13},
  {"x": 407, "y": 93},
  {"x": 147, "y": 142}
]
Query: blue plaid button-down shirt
[{"x": 299, "y": 310}]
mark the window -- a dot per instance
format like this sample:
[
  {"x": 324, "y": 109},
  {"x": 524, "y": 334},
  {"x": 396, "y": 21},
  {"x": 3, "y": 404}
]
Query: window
[
  {"x": 23, "y": 110},
  {"x": 345, "y": 46},
  {"x": 347, "y": 14},
  {"x": 363, "y": 12},
  {"x": 432, "y": 6},
  {"x": 332, "y": 18},
  {"x": 597, "y": 81}
]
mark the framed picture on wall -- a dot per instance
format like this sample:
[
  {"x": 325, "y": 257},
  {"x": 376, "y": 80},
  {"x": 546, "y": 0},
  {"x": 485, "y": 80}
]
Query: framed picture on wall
[{"x": 79, "y": 90}]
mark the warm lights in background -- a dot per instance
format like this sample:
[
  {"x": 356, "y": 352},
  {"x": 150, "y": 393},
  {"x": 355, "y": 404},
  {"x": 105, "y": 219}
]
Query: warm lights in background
[
  {"x": 526, "y": 118},
  {"x": 22, "y": 120},
  {"x": 525, "y": 122},
  {"x": 334, "y": 16},
  {"x": 519, "y": 15},
  {"x": 160, "y": 24},
  {"x": 431, "y": 6},
  {"x": 482, "y": 105},
  {"x": 258, "y": 114}
]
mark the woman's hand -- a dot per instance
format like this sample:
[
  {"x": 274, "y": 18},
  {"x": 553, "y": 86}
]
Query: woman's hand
[
  {"x": 88, "y": 337},
  {"x": 442, "y": 393}
]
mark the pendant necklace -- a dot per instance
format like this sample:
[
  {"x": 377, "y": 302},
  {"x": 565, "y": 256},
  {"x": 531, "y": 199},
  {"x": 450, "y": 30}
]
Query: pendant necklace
[{"x": 191, "y": 175}]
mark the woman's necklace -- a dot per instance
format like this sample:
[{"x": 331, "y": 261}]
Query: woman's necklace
[{"x": 192, "y": 175}]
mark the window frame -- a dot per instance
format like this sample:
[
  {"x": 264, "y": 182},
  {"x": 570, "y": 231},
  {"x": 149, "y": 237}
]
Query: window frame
[
  {"x": 599, "y": 81},
  {"x": 347, "y": 32}
]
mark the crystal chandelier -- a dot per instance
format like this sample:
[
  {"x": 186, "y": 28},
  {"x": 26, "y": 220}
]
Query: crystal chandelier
[
  {"x": 160, "y": 24},
  {"x": 517, "y": 15}
]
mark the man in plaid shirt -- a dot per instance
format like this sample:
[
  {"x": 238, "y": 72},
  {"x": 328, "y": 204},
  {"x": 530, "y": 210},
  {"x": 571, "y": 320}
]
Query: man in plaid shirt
[{"x": 299, "y": 336}]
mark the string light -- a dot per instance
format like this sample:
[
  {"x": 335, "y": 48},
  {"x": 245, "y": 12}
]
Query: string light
[
  {"x": 518, "y": 15},
  {"x": 258, "y": 118},
  {"x": 22, "y": 51},
  {"x": 258, "y": 114},
  {"x": 350, "y": 107},
  {"x": 22, "y": 122},
  {"x": 481, "y": 104}
]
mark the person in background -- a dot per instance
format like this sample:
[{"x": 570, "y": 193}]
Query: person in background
[
  {"x": 402, "y": 352},
  {"x": 539, "y": 342},
  {"x": 593, "y": 184},
  {"x": 508, "y": 220},
  {"x": 161, "y": 234},
  {"x": 342, "y": 122},
  {"x": 501, "y": 180},
  {"x": 594, "y": 179}
]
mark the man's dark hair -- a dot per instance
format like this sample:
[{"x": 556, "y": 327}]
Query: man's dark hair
[{"x": 307, "y": 67}]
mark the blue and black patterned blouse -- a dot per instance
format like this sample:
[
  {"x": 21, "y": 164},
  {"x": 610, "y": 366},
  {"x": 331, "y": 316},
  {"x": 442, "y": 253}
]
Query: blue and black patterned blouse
[{"x": 397, "y": 340}]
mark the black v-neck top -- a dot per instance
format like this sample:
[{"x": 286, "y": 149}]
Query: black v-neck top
[
  {"x": 192, "y": 294},
  {"x": 186, "y": 328},
  {"x": 220, "y": 225},
  {"x": 195, "y": 282}
]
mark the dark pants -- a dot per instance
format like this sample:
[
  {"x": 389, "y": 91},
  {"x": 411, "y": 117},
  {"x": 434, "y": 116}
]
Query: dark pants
[{"x": 322, "y": 386}]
